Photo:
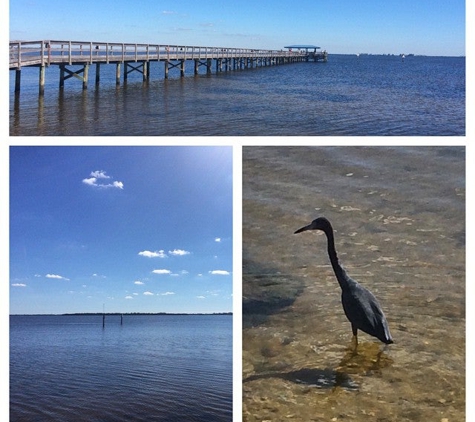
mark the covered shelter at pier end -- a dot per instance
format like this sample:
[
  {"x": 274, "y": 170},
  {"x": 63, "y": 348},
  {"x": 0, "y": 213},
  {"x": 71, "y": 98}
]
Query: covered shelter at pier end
[{"x": 312, "y": 52}]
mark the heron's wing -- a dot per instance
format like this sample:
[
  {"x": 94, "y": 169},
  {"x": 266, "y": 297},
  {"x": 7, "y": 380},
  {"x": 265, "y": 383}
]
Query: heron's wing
[{"x": 364, "y": 311}]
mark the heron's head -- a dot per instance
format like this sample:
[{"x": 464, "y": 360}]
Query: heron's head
[{"x": 320, "y": 223}]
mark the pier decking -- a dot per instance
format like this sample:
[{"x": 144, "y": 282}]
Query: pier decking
[{"x": 134, "y": 57}]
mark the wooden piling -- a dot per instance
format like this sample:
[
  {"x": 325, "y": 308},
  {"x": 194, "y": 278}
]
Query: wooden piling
[
  {"x": 61, "y": 76},
  {"x": 117, "y": 74},
  {"x": 17, "y": 79},
  {"x": 42, "y": 80},
  {"x": 85, "y": 77},
  {"x": 182, "y": 68},
  {"x": 146, "y": 76}
]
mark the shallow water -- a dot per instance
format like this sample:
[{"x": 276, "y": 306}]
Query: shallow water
[{"x": 399, "y": 216}]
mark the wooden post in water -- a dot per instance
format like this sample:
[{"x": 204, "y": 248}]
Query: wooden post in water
[
  {"x": 98, "y": 73},
  {"x": 121, "y": 319},
  {"x": 17, "y": 80},
  {"x": 85, "y": 77},
  {"x": 146, "y": 69},
  {"x": 103, "y": 320},
  {"x": 182, "y": 68},
  {"x": 166, "y": 69},
  {"x": 117, "y": 74},
  {"x": 42, "y": 79}
]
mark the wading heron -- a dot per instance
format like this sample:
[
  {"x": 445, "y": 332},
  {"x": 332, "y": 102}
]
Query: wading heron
[{"x": 361, "y": 307}]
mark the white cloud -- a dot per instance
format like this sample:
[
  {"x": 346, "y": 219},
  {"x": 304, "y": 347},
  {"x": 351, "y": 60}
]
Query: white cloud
[
  {"x": 168, "y": 12},
  {"x": 37, "y": 275},
  {"x": 167, "y": 293},
  {"x": 128, "y": 297},
  {"x": 58, "y": 277},
  {"x": 162, "y": 271},
  {"x": 200, "y": 297},
  {"x": 138, "y": 282},
  {"x": 148, "y": 293},
  {"x": 99, "y": 174},
  {"x": 184, "y": 272},
  {"x": 219, "y": 272},
  {"x": 179, "y": 252},
  {"x": 135, "y": 294},
  {"x": 18, "y": 285},
  {"x": 217, "y": 239},
  {"x": 91, "y": 181},
  {"x": 156, "y": 254}
]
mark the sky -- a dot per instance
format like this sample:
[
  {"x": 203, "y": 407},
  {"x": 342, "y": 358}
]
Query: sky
[
  {"x": 340, "y": 26},
  {"x": 125, "y": 229}
]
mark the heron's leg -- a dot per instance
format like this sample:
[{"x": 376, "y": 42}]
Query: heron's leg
[
  {"x": 381, "y": 351},
  {"x": 354, "y": 340}
]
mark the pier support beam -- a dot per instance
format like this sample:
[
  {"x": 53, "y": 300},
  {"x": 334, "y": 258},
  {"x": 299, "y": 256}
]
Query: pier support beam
[
  {"x": 17, "y": 80},
  {"x": 181, "y": 65},
  {"x": 98, "y": 73},
  {"x": 63, "y": 70},
  {"x": 42, "y": 80},
  {"x": 85, "y": 77},
  {"x": 141, "y": 68},
  {"x": 117, "y": 74}
]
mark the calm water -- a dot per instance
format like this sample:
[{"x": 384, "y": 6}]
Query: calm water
[
  {"x": 153, "y": 368},
  {"x": 399, "y": 219},
  {"x": 368, "y": 95}
]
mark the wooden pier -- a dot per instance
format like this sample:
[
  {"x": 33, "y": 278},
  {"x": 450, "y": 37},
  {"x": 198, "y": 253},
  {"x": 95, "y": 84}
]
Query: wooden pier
[{"x": 135, "y": 58}]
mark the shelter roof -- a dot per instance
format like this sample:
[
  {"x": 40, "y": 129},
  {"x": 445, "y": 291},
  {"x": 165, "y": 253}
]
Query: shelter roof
[{"x": 301, "y": 46}]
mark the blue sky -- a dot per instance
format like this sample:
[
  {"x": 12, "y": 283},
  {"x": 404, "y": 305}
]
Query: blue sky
[
  {"x": 139, "y": 229},
  {"x": 340, "y": 26}
]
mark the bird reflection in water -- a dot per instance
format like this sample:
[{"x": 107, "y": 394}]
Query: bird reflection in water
[{"x": 369, "y": 360}]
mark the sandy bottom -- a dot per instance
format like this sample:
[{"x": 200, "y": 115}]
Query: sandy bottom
[{"x": 398, "y": 215}]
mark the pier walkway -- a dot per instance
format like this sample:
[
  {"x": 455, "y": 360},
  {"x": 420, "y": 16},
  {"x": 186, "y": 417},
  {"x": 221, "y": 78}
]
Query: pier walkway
[{"x": 134, "y": 57}]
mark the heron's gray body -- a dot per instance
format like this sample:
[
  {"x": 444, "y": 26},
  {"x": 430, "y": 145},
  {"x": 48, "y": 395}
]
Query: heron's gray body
[{"x": 360, "y": 305}]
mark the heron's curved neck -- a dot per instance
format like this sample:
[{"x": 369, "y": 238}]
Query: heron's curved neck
[{"x": 340, "y": 273}]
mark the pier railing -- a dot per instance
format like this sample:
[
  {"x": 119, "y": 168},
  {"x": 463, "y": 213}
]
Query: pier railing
[{"x": 47, "y": 52}]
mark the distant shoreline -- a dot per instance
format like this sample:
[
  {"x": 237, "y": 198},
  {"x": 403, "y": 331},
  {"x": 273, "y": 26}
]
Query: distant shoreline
[{"x": 125, "y": 314}]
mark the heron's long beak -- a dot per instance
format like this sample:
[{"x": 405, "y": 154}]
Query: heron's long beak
[{"x": 303, "y": 229}]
